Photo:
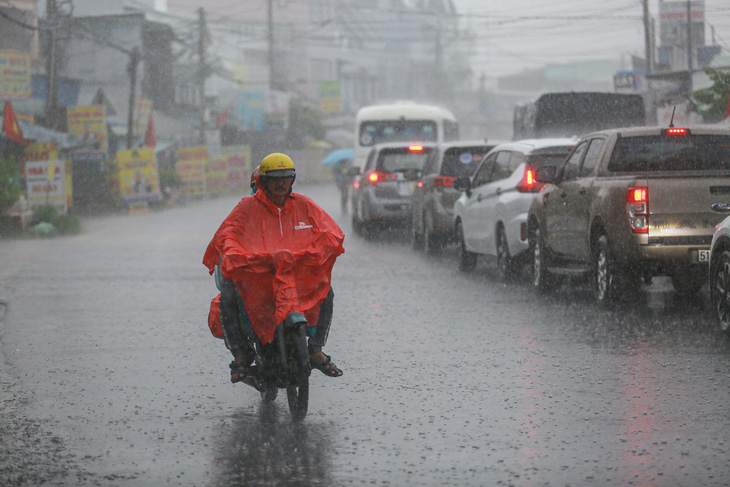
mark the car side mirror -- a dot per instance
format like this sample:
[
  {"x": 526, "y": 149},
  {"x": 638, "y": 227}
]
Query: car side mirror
[
  {"x": 463, "y": 183},
  {"x": 353, "y": 171},
  {"x": 546, "y": 174}
]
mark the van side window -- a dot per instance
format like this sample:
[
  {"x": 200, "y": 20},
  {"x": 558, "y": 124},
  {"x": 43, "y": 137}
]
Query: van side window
[
  {"x": 502, "y": 167},
  {"x": 485, "y": 170},
  {"x": 572, "y": 164},
  {"x": 592, "y": 156},
  {"x": 451, "y": 131}
]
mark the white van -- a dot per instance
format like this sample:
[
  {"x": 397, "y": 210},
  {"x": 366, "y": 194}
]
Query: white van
[{"x": 402, "y": 121}]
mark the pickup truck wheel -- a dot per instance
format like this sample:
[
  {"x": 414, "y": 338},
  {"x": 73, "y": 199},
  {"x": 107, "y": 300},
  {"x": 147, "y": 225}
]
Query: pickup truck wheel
[
  {"x": 604, "y": 277},
  {"x": 688, "y": 282},
  {"x": 467, "y": 260},
  {"x": 720, "y": 290},
  {"x": 542, "y": 280},
  {"x": 505, "y": 264}
]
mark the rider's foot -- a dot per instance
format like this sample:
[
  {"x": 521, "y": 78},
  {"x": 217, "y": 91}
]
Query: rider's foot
[
  {"x": 323, "y": 362},
  {"x": 239, "y": 367}
]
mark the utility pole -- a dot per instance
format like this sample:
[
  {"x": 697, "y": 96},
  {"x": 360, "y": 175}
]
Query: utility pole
[
  {"x": 51, "y": 67},
  {"x": 648, "y": 39},
  {"x": 201, "y": 72},
  {"x": 689, "y": 46},
  {"x": 270, "y": 19},
  {"x": 132, "y": 70}
]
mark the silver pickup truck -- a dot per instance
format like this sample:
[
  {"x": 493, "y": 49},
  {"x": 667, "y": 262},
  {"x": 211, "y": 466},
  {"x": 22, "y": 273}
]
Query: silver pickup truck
[{"x": 629, "y": 204}]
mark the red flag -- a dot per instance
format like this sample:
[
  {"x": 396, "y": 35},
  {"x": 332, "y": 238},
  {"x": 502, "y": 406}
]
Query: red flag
[
  {"x": 149, "y": 137},
  {"x": 222, "y": 118},
  {"x": 727, "y": 109},
  {"x": 10, "y": 126}
]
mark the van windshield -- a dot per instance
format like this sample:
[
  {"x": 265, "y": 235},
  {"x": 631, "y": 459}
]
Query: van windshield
[
  {"x": 671, "y": 153},
  {"x": 376, "y": 132}
]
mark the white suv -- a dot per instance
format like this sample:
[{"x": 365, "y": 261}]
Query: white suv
[{"x": 490, "y": 217}]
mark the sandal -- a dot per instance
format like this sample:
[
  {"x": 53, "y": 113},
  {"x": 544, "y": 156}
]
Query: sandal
[
  {"x": 239, "y": 371},
  {"x": 327, "y": 367}
]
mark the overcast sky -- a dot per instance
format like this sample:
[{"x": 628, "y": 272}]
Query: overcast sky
[{"x": 513, "y": 35}]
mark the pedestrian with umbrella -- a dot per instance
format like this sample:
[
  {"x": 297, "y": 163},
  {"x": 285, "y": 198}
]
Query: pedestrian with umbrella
[{"x": 341, "y": 160}]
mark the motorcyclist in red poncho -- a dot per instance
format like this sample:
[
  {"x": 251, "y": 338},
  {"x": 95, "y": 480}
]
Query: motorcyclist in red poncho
[{"x": 274, "y": 255}]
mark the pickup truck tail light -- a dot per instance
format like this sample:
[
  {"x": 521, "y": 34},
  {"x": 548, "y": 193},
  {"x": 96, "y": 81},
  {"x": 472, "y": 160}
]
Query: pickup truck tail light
[
  {"x": 443, "y": 181},
  {"x": 528, "y": 183},
  {"x": 376, "y": 177},
  {"x": 637, "y": 209}
]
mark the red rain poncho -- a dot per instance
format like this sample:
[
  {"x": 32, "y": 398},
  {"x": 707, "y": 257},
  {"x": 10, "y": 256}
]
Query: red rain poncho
[{"x": 279, "y": 258}]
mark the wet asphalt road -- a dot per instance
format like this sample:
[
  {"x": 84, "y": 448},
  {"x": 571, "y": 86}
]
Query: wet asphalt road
[{"x": 110, "y": 376}]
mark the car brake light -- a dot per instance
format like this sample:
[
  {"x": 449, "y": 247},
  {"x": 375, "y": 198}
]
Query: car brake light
[
  {"x": 528, "y": 183},
  {"x": 637, "y": 209},
  {"x": 376, "y": 177},
  {"x": 356, "y": 184},
  {"x": 415, "y": 148},
  {"x": 443, "y": 181},
  {"x": 676, "y": 131}
]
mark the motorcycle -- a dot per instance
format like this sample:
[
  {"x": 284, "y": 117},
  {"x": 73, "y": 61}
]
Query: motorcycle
[{"x": 283, "y": 363}]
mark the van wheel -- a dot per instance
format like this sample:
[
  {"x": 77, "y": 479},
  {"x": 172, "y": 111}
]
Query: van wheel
[
  {"x": 467, "y": 260},
  {"x": 356, "y": 221},
  {"x": 432, "y": 241},
  {"x": 416, "y": 236}
]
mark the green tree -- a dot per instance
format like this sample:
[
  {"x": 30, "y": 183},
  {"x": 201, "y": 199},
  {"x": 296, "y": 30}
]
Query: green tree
[
  {"x": 711, "y": 102},
  {"x": 9, "y": 188},
  {"x": 305, "y": 122}
]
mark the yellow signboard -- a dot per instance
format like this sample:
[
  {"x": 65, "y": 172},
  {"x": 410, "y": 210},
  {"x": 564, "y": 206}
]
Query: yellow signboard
[
  {"x": 216, "y": 175},
  {"x": 46, "y": 182},
  {"x": 143, "y": 110},
  {"x": 89, "y": 125},
  {"x": 238, "y": 158},
  {"x": 15, "y": 70},
  {"x": 138, "y": 180},
  {"x": 329, "y": 97},
  {"x": 190, "y": 167}
]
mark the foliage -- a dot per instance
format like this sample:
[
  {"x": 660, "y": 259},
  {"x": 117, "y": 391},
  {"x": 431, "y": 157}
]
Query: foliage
[
  {"x": 712, "y": 102},
  {"x": 169, "y": 178},
  {"x": 305, "y": 123},
  {"x": 9, "y": 188},
  {"x": 65, "y": 224}
]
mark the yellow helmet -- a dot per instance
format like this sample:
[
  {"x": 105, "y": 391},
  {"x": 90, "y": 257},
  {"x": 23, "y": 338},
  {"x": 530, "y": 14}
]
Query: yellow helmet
[{"x": 277, "y": 165}]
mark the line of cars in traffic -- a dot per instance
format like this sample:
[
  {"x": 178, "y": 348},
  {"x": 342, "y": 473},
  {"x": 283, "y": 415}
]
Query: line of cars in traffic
[{"x": 617, "y": 207}]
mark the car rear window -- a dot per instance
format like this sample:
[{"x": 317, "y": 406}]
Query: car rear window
[
  {"x": 553, "y": 156},
  {"x": 401, "y": 160},
  {"x": 671, "y": 153},
  {"x": 462, "y": 161}
]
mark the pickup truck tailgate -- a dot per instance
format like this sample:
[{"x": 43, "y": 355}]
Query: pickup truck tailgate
[{"x": 680, "y": 210}]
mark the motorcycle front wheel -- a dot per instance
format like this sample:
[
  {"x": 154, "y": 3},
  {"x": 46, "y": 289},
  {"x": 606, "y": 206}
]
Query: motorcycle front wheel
[{"x": 297, "y": 392}]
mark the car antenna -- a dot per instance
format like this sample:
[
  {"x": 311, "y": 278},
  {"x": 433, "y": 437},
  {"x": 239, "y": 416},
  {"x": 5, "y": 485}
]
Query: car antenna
[{"x": 671, "y": 122}]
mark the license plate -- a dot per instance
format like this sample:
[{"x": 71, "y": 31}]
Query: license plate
[
  {"x": 703, "y": 255},
  {"x": 403, "y": 188}
]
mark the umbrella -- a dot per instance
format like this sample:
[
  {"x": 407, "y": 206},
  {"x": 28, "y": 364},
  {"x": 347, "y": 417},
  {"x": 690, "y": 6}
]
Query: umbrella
[{"x": 338, "y": 155}]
